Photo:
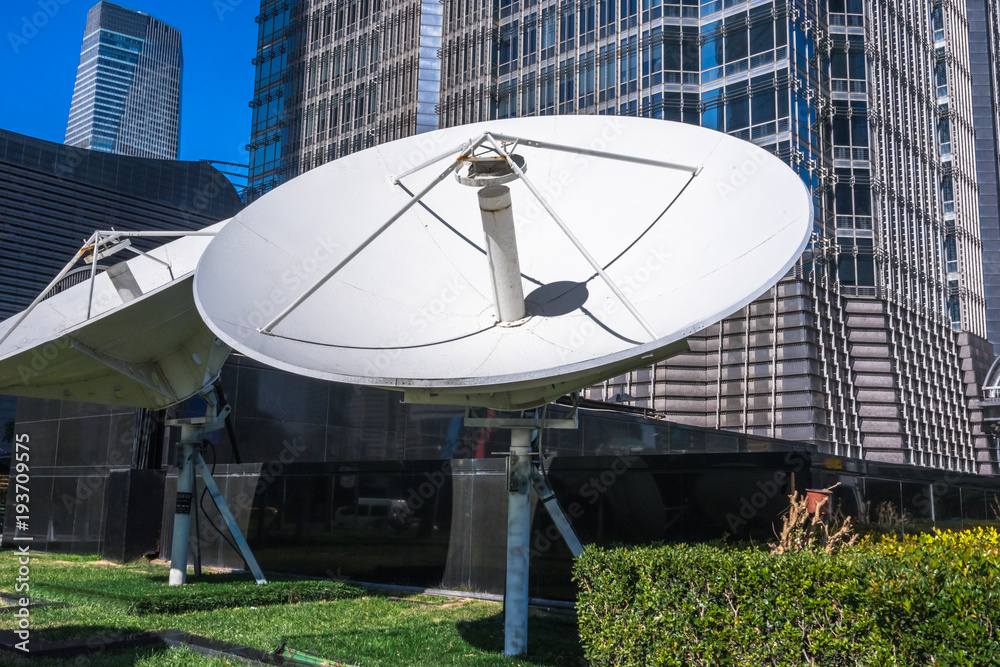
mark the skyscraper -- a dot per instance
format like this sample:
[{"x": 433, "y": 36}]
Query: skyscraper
[
  {"x": 127, "y": 98},
  {"x": 874, "y": 344},
  {"x": 339, "y": 79}
]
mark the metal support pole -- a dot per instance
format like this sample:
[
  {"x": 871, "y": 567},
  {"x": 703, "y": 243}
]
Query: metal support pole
[
  {"x": 501, "y": 252},
  {"x": 182, "y": 509},
  {"x": 518, "y": 540}
]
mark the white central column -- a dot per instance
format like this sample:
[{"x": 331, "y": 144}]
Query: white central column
[
  {"x": 501, "y": 252},
  {"x": 182, "y": 512}
]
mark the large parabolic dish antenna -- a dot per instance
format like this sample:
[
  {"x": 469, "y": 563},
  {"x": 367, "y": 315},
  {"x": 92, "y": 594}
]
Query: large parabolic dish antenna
[
  {"x": 128, "y": 336},
  {"x": 631, "y": 234}
]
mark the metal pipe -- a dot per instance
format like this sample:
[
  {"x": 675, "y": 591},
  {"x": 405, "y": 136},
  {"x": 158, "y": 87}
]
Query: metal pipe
[
  {"x": 579, "y": 246},
  {"x": 518, "y": 538},
  {"x": 601, "y": 154},
  {"x": 435, "y": 159},
  {"x": 182, "y": 510},
  {"x": 93, "y": 275},
  {"x": 165, "y": 234},
  {"x": 501, "y": 252},
  {"x": 267, "y": 328}
]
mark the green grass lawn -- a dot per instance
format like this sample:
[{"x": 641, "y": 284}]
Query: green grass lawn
[{"x": 326, "y": 618}]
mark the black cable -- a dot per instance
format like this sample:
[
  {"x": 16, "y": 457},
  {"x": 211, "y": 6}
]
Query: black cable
[
  {"x": 201, "y": 504},
  {"x": 541, "y": 456},
  {"x": 230, "y": 429}
]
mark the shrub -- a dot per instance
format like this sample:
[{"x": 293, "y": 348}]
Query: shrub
[{"x": 933, "y": 599}]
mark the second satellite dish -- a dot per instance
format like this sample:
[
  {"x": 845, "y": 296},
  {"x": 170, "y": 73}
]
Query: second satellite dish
[{"x": 505, "y": 263}]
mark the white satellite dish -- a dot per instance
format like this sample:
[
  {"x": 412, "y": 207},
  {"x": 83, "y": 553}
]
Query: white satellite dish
[
  {"x": 128, "y": 336},
  {"x": 594, "y": 245},
  {"x": 668, "y": 229}
]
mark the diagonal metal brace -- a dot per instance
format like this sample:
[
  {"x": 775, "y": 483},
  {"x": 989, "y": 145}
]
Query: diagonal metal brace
[
  {"x": 227, "y": 516},
  {"x": 551, "y": 504}
]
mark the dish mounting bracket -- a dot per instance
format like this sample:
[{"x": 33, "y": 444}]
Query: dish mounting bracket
[{"x": 193, "y": 430}]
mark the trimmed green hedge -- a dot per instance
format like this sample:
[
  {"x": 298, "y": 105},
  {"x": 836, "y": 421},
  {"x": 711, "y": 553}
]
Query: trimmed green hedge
[{"x": 929, "y": 600}]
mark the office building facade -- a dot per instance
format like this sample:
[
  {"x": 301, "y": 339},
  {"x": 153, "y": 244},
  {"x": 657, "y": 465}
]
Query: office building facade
[
  {"x": 127, "y": 98},
  {"x": 875, "y": 343}
]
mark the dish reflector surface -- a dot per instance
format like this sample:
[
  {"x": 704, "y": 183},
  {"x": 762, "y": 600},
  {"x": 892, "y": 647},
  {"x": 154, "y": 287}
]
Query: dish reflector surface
[
  {"x": 414, "y": 310},
  {"x": 144, "y": 344}
]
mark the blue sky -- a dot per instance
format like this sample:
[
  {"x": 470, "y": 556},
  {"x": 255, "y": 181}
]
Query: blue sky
[{"x": 40, "y": 50}]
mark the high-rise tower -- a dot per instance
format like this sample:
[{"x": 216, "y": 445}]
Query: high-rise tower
[
  {"x": 874, "y": 344},
  {"x": 127, "y": 98},
  {"x": 340, "y": 78}
]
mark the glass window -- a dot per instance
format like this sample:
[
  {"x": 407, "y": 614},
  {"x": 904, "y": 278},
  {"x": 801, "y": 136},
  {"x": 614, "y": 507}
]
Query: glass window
[
  {"x": 862, "y": 199},
  {"x": 843, "y": 196},
  {"x": 567, "y": 24},
  {"x": 672, "y": 56},
  {"x": 762, "y": 99},
  {"x": 587, "y": 75},
  {"x": 530, "y": 36},
  {"x": 859, "y": 125},
  {"x": 566, "y": 82},
  {"x": 548, "y": 27},
  {"x": 712, "y": 49},
  {"x": 607, "y": 8},
  {"x": 652, "y": 61},
  {"x": 628, "y": 63},
  {"x": 841, "y": 131},
  {"x": 737, "y": 108},
  {"x": 607, "y": 67},
  {"x": 710, "y": 115},
  {"x": 587, "y": 17},
  {"x": 856, "y": 62},
  {"x": 548, "y": 87},
  {"x": 672, "y": 106},
  {"x": 761, "y": 37},
  {"x": 736, "y": 38},
  {"x": 838, "y": 65},
  {"x": 528, "y": 94},
  {"x": 629, "y": 10},
  {"x": 845, "y": 262},
  {"x": 947, "y": 191}
]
